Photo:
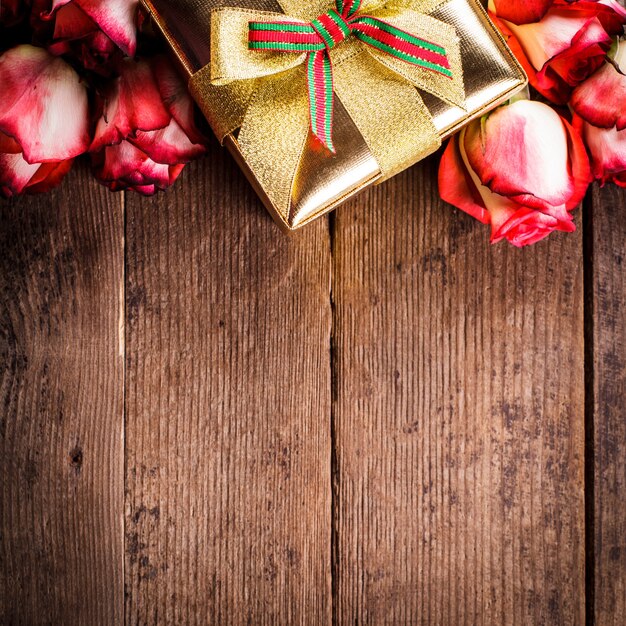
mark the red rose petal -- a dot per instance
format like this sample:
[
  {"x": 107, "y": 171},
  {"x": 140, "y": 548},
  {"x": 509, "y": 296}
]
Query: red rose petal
[
  {"x": 455, "y": 184},
  {"x": 176, "y": 97},
  {"x": 608, "y": 151},
  {"x": 525, "y": 227},
  {"x": 116, "y": 18},
  {"x": 133, "y": 103},
  {"x": 600, "y": 99},
  {"x": 48, "y": 176},
  {"x": 169, "y": 145},
  {"x": 15, "y": 173},
  {"x": 523, "y": 12}
]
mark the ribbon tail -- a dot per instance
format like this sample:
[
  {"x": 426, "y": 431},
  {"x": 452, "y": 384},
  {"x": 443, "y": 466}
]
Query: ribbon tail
[
  {"x": 274, "y": 133},
  {"x": 321, "y": 97},
  {"x": 388, "y": 111},
  {"x": 447, "y": 85}
]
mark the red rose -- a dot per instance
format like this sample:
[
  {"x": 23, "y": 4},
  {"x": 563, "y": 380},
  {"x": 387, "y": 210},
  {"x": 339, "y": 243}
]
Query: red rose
[
  {"x": 566, "y": 46},
  {"x": 522, "y": 170},
  {"x": 599, "y": 107},
  {"x": 96, "y": 32},
  {"x": 146, "y": 133},
  {"x": 43, "y": 120}
]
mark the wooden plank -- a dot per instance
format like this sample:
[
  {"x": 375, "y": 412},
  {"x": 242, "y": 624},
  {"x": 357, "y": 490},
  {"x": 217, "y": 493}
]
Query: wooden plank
[
  {"x": 228, "y": 408},
  {"x": 458, "y": 417},
  {"x": 61, "y": 399},
  {"x": 608, "y": 397}
]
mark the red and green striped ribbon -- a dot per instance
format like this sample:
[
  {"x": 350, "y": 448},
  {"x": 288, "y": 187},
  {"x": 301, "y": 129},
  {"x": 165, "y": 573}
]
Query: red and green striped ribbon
[{"x": 319, "y": 37}]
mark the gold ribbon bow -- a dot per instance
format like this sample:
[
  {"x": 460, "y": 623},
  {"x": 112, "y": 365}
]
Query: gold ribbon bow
[{"x": 264, "y": 94}]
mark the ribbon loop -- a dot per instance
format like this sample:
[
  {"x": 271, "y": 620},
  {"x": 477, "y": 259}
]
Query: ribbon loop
[
  {"x": 375, "y": 56},
  {"x": 320, "y": 36}
]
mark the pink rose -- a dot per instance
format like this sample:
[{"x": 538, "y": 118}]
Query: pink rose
[
  {"x": 566, "y": 46},
  {"x": 96, "y": 32},
  {"x": 599, "y": 106},
  {"x": 146, "y": 133},
  {"x": 44, "y": 120},
  {"x": 522, "y": 170}
]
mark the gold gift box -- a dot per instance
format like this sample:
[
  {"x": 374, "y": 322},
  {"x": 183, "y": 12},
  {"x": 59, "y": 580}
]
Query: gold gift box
[{"x": 324, "y": 181}]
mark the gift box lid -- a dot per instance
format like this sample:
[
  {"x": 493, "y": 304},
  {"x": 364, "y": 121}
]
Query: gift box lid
[{"x": 323, "y": 181}]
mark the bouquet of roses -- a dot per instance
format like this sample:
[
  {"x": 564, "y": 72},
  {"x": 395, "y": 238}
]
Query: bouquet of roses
[
  {"x": 72, "y": 85},
  {"x": 76, "y": 79},
  {"x": 526, "y": 166}
]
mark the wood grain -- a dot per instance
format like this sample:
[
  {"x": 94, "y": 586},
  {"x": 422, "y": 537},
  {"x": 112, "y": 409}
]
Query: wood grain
[
  {"x": 608, "y": 397},
  {"x": 458, "y": 417},
  {"x": 228, "y": 406},
  {"x": 61, "y": 399}
]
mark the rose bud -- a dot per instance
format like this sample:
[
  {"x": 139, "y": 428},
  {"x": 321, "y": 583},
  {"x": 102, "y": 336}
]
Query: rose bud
[
  {"x": 96, "y": 32},
  {"x": 600, "y": 115},
  {"x": 521, "y": 169},
  {"x": 146, "y": 132},
  {"x": 44, "y": 120},
  {"x": 566, "y": 46}
]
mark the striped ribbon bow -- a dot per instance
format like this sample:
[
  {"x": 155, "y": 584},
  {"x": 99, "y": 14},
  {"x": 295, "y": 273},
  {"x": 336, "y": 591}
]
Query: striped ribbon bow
[{"x": 320, "y": 36}]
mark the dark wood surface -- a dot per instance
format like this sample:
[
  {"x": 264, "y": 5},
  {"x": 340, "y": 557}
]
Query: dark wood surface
[
  {"x": 458, "y": 415},
  {"x": 381, "y": 419},
  {"x": 607, "y": 402},
  {"x": 61, "y": 403}
]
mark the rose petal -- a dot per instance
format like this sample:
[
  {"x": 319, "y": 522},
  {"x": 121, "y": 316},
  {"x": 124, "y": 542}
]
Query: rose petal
[
  {"x": 15, "y": 173},
  {"x": 600, "y": 99},
  {"x": 116, "y": 18},
  {"x": 71, "y": 22},
  {"x": 48, "y": 176},
  {"x": 608, "y": 151},
  {"x": 169, "y": 145},
  {"x": 525, "y": 227},
  {"x": 43, "y": 105},
  {"x": 133, "y": 103},
  {"x": 124, "y": 166},
  {"x": 523, "y": 12},
  {"x": 176, "y": 97},
  {"x": 524, "y": 154},
  {"x": 9, "y": 145},
  {"x": 455, "y": 184}
]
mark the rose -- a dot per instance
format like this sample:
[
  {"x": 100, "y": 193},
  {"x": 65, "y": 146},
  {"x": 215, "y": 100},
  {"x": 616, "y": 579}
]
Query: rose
[
  {"x": 97, "y": 32},
  {"x": 600, "y": 115},
  {"x": 521, "y": 169},
  {"x": 146, "y": 132},
  {"x": 566, "y": 46},
  {"x": 39, "y": 135}
]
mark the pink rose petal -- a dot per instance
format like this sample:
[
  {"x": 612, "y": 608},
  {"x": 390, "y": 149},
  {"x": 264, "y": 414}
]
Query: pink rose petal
[
  {"x": 116, "y": 18},
  {"x": 43, "y": 105},
  {"x": 133, "y": 103},
  {"x": 601, "y": 99},
  {"x": 525, "y": 155}
]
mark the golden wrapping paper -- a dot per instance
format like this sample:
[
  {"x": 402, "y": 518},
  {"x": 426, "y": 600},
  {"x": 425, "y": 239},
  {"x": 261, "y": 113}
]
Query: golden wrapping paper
[{"x": 322, "y": 181}]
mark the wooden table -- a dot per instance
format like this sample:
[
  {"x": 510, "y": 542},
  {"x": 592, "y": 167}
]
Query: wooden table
[{"x": 381, "y": 419}]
